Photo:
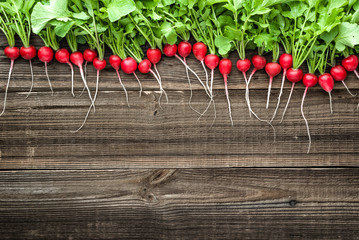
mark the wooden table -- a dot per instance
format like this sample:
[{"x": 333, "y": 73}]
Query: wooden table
[{"x": 142, "y": 172}]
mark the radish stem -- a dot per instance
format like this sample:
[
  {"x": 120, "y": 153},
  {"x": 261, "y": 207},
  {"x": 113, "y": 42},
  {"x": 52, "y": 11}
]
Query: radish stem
[
  {"x": 7, "y": 85},
  {"x": 306, "y": 122},
  {"x": 48, "y": 79},
  {"x": 32, "y": 79},
  {"x": 286, "y": 106},
  {"x": 123, "y": 86},
  {"x": 280, "y": 95}
]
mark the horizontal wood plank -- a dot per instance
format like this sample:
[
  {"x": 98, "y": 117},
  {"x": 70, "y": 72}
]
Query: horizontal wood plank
[{"x": 180, "y": 204}]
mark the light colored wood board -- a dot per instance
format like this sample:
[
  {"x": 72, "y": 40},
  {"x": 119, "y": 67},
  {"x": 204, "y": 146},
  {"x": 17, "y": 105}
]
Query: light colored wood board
[
  {"x": 35, "y": 132},
  {"x": 180, "y": 204}
]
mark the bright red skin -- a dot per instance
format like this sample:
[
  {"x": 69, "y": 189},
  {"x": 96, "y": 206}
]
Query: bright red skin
[
  {"x": 273, "y": 69},
  {"x": 144, "y": 66},
  {"x": 99, "y": 64},
  {"x": 90, "y": 55},
  {"x": 259, "y": 62},
  {"x": 243, "y": 65},
  {"x": 170, "y": 50},
  {"x": 294, "y": 75},
  {"x": 115, "y": 61},
  {"x": 326, "y": 81},
  {"x": 45, "y": 54},
  {"x": 310, "y": 80},
  {"x": 338, "y": 72},
  {"x": 184, "y": 49},
  {"x": 28, "y": 53},
  {"x": 12, "y": 52},
  {"x": 200, "y": 50},
  {"x": 225, "y": 66},
  {"x": 211, "y": 61},
  {"x": 350, "y": 63},
  {"x": 154, "y": 55},
  {"x": 77, "y": 58},
  {"x": 129, "y": 65},
  {"x": 286, "y": 61},
  {"x": 62, "y": 55}
]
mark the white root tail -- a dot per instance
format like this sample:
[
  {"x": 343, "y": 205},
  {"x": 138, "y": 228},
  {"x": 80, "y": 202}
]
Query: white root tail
[
  {"x": 247, "y": 91},
  {"x": 87, "y": 88},
  {"x": 330, "y": 103},
  {"x": 346, "y": 87},
  {"x": 269, "y": 90},
  {"x": 246, "y": 82},
  {"x": 356, "y": 73},
  {"x": 191, "y": 92},
  {"x": 280, "y": 95},
  {"x": 84, "y": 88},
  {"x": 207, "y": 80},
  {"x": 72, "y": 79},
  {"x": 48, "y": 79},
  {"x": 92, "y": 104},
  {"x": 123, "y": 86},
  {"x": 306, "y": 122},
  {"x": 32, "y": 79},
  {"x": 139, "y": 83},
  {"x": 7, "y": 86},
  {"x": 161, "y": 88},
  {"x": 229, "y": 102},
  {"x": 286, "y": 106}
]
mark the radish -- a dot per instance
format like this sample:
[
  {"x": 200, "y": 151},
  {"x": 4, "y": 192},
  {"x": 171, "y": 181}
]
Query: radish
[
  {"x": 200, "y": 52},
  {"x": 272, "y": 69},
  {"x": 46, "y": 55},
  {"x": 351, "y": 64},
  {"x": 129, "y": 66},
  {"x": 63, "y": 56},
  {"x": 211, "y": 61},
  {"x": 243, "y": 65},
  {"x": 326, "y": 81},
  {"x": 115, "y": 62},
  {"x": 28, "y": 53},
  {"x": 225, "y": 67},
  {"x": 154, "y": 55},
  {"x": 294, "y": 76},
  {"x": 309, "y": 80},
  {"x": 286, "y": 62},
  {"x": 78, "y": 59},
  {"x": 340, "y": 74},
  {"x": 89, "y": 56},
  {"x": 12, "y": 53}
]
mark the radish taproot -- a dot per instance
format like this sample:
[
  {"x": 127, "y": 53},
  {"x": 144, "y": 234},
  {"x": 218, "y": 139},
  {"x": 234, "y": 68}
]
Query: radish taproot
[
  {"x": 351, "y": 64},
  {"x": 46, "y": 54},
  {"x": 29, "y": 53},
  {"x": 272, "y": 69},
  {"x": 225, "y": 68},
  {"x": 115, "y": 62},
  {"x": 309, "y": 80},
  {"x": 326, "y": 81},
  {"x": 63, "y": 56},
  {"x": 129, "y": 66},
  {"x": 340, "y": 74}
]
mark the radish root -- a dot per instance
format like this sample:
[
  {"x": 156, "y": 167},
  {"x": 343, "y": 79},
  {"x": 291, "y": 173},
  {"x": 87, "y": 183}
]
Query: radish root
[
  {"x": 72, "y": 79},
  {"x": 48, "y": 79},
  {"x": 123, "y": 86},
  {"x": 306, "y": 122},
  {"x": 139, "y": 83},
  {"x": 161, "y": 88},
  {"x": 32, "y": 79},
  {"x": 280, "y": 95},
  {"x": 286, "y": 106},
  {"x": 229, "y": 102},
  {"x": 7, "y": 86},
  {"x": 330, "y": 103},
  {"x": 269, "y": 90},
  {"x": 346, "y": 87}
]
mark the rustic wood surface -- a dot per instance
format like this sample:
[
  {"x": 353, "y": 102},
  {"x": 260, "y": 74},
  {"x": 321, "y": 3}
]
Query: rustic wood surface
[{"x": 146, "y": 172}]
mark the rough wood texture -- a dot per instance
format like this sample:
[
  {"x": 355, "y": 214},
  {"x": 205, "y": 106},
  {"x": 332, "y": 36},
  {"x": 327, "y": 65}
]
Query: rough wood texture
[{"x": 180, "y": 204}]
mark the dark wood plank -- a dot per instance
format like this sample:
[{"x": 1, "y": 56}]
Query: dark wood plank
[
  {"x": 35, "y": 132},
  {"x": 180, "y": 204}
]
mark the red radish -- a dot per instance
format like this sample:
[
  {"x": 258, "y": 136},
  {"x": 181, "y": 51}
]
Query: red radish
[
  {"x": 99, "y": 65},
  {"x": 200, "y": 51},
  {"x": 294, "y": 76},
  {"x": 225, "y": 67},
  {"x": 89, "y": 56},
  {"x": 243, "y": 65},
  {"x": 309, "y": 80},
  {"x": 340, "y": 74},
  {"x": 78, "y": 59},
  {"x": 272, "y": 69},
  {"x": 351, "y": 64},
  {"x": 286, "y": 62},
  {"x": 63, "y": 56},
  {"x": 46, "y": 55},
  {"x": 115, "y": 62},
  {"x": 170, "y": 50},
  {"x": 129, "y": 66},
  {"x": 28, "y": 53},
  {"x": 211, "y": 61},
  {"x": 326, "y": 81},
  {"x": 12, "y": 53},
  {"x": 154, "y": 55}
]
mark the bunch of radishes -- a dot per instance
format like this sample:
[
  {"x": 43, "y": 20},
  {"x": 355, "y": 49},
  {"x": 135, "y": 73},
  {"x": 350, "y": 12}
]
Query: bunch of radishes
[{"x": 218, "y": 28}]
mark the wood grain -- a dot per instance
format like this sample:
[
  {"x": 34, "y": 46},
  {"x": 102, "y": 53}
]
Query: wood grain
[{"x": 180, "y": 204}]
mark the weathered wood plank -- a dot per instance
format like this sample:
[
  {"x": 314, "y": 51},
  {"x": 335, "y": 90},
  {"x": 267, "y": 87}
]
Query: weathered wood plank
[
  {"x": 180, "y": 204},
  {"x": 35, "y": 132}
]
